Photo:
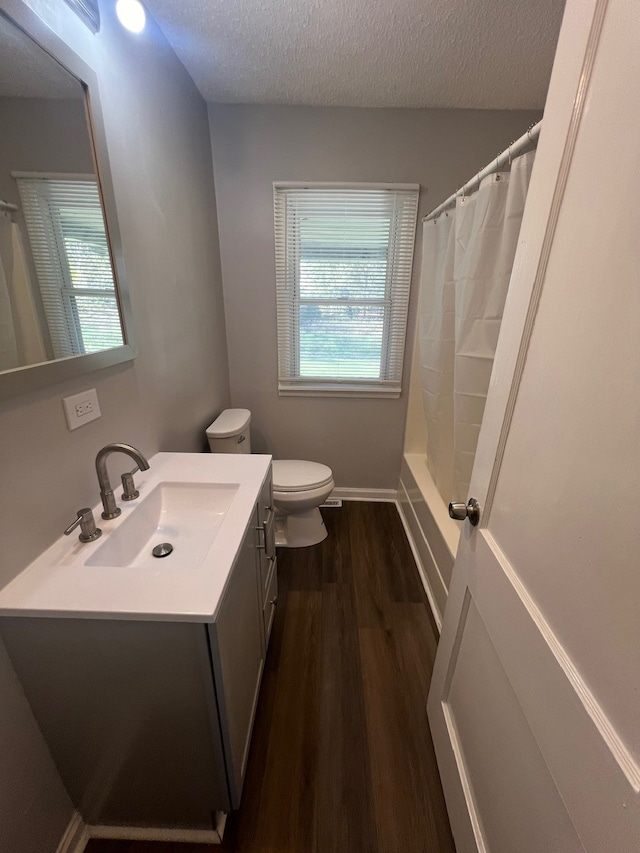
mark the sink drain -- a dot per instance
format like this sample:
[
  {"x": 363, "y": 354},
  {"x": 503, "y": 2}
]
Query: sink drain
[{"x": 162, "y": 550}]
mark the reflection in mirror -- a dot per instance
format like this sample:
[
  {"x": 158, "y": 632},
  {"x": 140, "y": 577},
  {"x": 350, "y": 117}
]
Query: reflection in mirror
[{"x": 57, "y": 290}]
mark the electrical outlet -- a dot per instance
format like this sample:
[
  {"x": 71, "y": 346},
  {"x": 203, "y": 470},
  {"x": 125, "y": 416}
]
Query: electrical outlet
[
  {"x": 84, "y": 408},
  {"x": 81, "y": 408}
]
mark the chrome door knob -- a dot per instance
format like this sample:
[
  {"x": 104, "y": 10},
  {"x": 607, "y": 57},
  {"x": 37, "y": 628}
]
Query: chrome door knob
[{"x": 460, "y": 511}]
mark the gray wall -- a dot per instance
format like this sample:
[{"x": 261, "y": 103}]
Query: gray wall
[
  {"x": 161, "y": 160},
  {"x": 41, "y": 135},
  {"x": 253, "y": 146}
]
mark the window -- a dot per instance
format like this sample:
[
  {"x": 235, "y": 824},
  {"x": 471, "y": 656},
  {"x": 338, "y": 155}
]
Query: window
[
  {"x": 343, "y": 272},
  {"x": 68, "y": 241}
]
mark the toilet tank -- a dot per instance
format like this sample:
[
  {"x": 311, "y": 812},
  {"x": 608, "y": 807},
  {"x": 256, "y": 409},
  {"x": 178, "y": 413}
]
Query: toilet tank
[{"x": 229, "y": 433}]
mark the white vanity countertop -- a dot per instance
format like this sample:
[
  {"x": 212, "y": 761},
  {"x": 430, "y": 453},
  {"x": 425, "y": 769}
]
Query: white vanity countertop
[{"x": 60, "y": 584}]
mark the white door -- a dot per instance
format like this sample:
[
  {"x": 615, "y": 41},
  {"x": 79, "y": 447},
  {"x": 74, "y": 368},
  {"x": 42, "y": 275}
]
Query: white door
[{"x": 535, "y": 699}]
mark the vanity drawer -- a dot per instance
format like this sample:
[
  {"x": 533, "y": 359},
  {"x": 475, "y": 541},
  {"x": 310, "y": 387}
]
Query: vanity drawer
[
  {"x": 271, "y": 601},
  {"x": 266, "y": 537}
]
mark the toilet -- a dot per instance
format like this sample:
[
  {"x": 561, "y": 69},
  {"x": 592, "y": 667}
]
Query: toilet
[{"x": 299, "y": 487}]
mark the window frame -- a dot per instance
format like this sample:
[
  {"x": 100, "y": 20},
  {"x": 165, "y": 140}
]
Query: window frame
[{"x": 288, "y": 301}]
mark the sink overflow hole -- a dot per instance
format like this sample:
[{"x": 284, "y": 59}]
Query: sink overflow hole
[{"x": 162, "y": 550}]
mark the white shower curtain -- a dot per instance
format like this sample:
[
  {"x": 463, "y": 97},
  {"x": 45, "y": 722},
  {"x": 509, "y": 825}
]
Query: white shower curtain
[
  {"x": 21, "y": 339},
  {"x": 437, "y": 345},
  {"x": 467, "y": 260},
  {"x": 8, "y": 344},
  {"x": 27, "y": 322}
]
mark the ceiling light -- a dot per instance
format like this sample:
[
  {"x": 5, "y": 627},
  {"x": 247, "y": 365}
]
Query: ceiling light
[{"x": 131, "y": 15}]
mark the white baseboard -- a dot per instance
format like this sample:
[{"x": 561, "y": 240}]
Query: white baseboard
[
  {"x": 348, "y": 494},
  {"x": 75, "y": 837},
  {"x": 78, "y": 834},
  {"x": 421, "y": 569},
  {"x": 143, "y": 833}
]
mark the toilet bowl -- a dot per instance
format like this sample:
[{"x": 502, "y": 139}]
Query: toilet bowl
[{"x": 299, "y": 487}]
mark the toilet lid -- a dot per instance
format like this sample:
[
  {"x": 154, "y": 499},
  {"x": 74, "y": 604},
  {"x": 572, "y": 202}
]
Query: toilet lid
[
  {"x": 293, "y": 475},
  {"x": 230, "y": 423}
]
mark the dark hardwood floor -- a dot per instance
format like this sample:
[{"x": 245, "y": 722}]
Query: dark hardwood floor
[{"x": 341, "y": 759}]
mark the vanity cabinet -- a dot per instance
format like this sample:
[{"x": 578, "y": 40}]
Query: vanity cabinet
[{"x": 149, "y": 721}]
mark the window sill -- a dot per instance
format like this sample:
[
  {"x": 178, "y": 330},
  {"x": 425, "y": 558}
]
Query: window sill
[{"x": 338, "y": 390}]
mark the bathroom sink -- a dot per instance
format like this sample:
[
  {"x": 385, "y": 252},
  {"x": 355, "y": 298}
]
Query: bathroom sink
[
  {"x": 202, "y": 504},
  {"x": 187, "y": 516}
]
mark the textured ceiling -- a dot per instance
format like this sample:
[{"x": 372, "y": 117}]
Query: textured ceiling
[
  {"x": 491, "y": 54},
  {"x": 27, "y": 71}
]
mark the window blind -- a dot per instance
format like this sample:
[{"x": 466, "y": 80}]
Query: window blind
[
  {"x": 71, "y": 256},
  {"x": 344, "y": 257}
]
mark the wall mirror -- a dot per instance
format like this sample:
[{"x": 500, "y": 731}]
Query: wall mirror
[{"x": 64, "y": 308}]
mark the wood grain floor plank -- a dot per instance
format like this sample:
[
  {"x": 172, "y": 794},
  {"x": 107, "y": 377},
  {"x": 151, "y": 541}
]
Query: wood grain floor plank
[
  {"x": 336, "y": 548},
  {"x": 395, "y": 557},
  {"x": 369, "y": 581},
  {"x": 345, "y": 809},
  {"x": 283, "y": 816},
  {"x": 416, "y": 650},
  {"x": 402, "y": 766},
  {"x": 304, "y": 568},
  {"x": 416, "y": 645}
]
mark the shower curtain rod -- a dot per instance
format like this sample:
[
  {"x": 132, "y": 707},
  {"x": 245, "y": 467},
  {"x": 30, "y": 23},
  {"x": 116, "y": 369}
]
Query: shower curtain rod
[
  {"x": 527, "y": 140},
  {"x": 4, "y": 205}
]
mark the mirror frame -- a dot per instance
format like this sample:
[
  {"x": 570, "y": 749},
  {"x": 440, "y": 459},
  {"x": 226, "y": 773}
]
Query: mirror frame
[{"x": 22, "y": 380}]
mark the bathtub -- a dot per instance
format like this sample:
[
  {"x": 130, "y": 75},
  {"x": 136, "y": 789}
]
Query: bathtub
[{"x": 432, "y": 534}]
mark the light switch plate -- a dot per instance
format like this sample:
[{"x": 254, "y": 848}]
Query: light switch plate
[{"x": 81, "y": 408}]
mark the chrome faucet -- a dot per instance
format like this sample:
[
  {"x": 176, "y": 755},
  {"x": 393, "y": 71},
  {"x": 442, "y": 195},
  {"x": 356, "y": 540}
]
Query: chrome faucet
[{"x": 111, "y": 510}]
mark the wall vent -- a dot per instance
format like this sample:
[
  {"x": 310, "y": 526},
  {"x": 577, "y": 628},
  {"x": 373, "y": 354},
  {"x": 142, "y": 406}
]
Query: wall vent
[{"x": 88, "y": 11}]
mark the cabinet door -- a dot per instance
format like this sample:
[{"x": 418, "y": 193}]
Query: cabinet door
[
  {"x": 237, "y": 657},
  {"x": 129, "y": 713},
  {"x": 269, "y": 609}
]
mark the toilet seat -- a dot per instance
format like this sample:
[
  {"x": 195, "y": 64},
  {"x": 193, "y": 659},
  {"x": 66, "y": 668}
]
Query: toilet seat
[{"x": 295, "y": 475}]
